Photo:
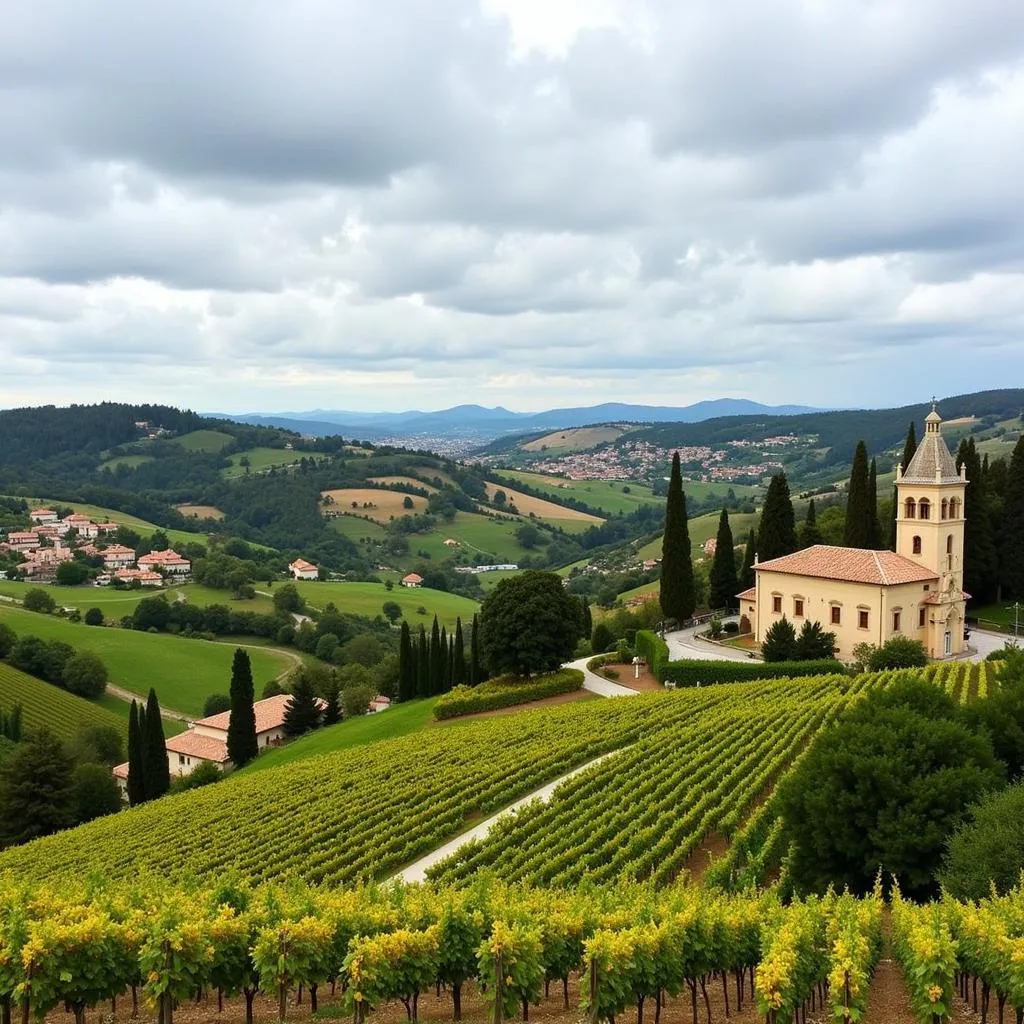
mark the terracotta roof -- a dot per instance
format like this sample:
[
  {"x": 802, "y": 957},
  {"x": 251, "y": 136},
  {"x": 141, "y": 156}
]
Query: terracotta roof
[
  {"x": 269, "y": 714},
  {"x": 412, "y": 578},
  {"x": 931, "y": 455},
  {"x": 120, "y": 771},
  {"x": 936, "y": 597},
  {"x": 853, "y": 565},
  {"x": 748, "y": 595},
  {"x": 193, "y": 745},
  {"x": 302, "y": 565}
]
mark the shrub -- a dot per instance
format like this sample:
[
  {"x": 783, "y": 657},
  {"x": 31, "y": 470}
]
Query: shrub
[
  {"x": 85, "y": 674},
  {"x": 898, "y": 652},
  {"x": 715, "y": 629},
  {"x": 654, "y": 651},
  {"x": 272, "y": 689},
  {"x": 814, "y": 643},
  {"x": 706, "y": 673},
  {"x": 8, "y": 638},
  {"x": 503, "y": 693},
  {"x": 623, "y": 652},
  {"x": 94, "y": 793},
  {"x": 216, "y": 704},
  {"x": 779, "y": 642},
  {"x": 610, "y": 673},
  {"x": 730, "y": 627},
  {"x": 601, "y": 639},
  {"x": 205, "y": 773},
  {"x": 745, "y": 624},
  {"x": 94, "y": 617},
  {"x": 37, "y": 600}
]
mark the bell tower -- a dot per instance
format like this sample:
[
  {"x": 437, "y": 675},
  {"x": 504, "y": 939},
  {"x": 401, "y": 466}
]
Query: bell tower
[{"x": 930, "y": 531}]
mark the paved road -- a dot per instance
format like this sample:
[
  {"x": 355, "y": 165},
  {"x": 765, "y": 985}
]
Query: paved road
[
  {"x": 598, "y": 684},
  {"x": 983, "y": 643},
  {"x": 683, "y": 644}
]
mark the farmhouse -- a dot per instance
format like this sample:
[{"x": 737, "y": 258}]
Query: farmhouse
[
  {"x": 117, "y": 556},
  {"x": 145, "y": 577},
  {"x": 412, "y": 580},
  {"x": 870, "y": 596},
  {"x": 43, "y": 515},
  {"x": 168, "y": 561},
  {"x": 303, "y": 570}
]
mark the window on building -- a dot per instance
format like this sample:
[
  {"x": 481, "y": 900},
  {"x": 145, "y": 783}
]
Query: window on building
[
  {"x": 862, "y": 618},
  {"x": 921, "y": 617},
  {"x": 777, "y": 604},
  {"x": 924, "y": 509},
  {"x": 949, "y": 545},
  {"x": 181, "y": 759},
  {"x": 837, "y": 615},
  {"x": 954, "y": 508},
  {"x": 945, "y": 508},
  {"x": 798, "y": 607},
  {"x": 917, "y": 545},
  {"x": 896, "y": 621},
  {"x": 909, "y": 508}
]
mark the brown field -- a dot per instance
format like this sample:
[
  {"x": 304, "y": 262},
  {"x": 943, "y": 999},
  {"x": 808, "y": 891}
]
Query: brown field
[
  {"x": 578, "y": 438},
  {"x": 409, "y": 481},
  {"x": 538, "y": 506},
  {"x": 354, "y": 449},
  {"x": 381, "y": 505},
  {"x": 200, "y": 511},
  {"x": 962, "y": 421}
]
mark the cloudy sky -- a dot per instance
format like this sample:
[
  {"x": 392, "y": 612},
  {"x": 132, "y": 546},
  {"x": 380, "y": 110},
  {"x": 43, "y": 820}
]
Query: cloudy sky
[{"x": 258, "y": 205}]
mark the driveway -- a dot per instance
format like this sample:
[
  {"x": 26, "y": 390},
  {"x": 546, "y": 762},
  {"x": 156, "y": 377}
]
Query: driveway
[
  {"x": 684, "y": 645},
  {"x": 983, "y": 642},
  {"x": 599, "y": 685}
]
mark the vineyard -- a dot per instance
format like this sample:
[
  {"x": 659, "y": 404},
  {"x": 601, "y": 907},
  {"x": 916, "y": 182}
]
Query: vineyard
[
  {"x": 964, "y": 681},
  {"x": 692, "y": 953},
  {"x": 43, "y": 704}
]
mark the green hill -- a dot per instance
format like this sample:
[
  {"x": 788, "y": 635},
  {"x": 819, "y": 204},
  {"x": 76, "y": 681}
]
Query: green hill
[
  {"x": 368, "y": 599},
  {"x": 204, "y": 441}
]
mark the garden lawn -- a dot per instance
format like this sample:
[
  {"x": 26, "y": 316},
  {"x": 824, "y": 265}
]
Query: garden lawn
[
  {"x": 368, "y": 599},
  {"x": 183, "y": 672},
  {"x": 356, "y": 732}
]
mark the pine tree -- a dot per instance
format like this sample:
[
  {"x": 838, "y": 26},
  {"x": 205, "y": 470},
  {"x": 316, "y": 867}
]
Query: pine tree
[
  {"x": 156, "y": 769},
  {"x": 777, "y": 533},
  {"x": 981, "y": 548},
  {"x": 422, "y": 665},
  {"x": 436, "y": 680},
  {"x": 874, "y": 524},
  {"x": 857, "y": 530},
  {"x": 35, "y": 790},
  {"x": 779, "y": 642},
  {"x": 677, "y": 587},
  {"x": 475, "y": 668},
  {"x": 809, "y": 532},
  {"x": 724, "y": 584},
  {"x": 406, "y": 666},
  {"x": 332, "y": 697},
  {"x": 1013, "y": 524},
  {"x": 242, "y": 743},
  {"x": 747, "y": 572},
  {"x": 459, "y": 656},
  {"x": 909, "y": 450},
  {"x": 136, "y": 776},
  {"x": 301, "y": 713}
]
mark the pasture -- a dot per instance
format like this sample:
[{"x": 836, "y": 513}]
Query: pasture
[
  {"x": 526, "y": 505},
  {"x": 407, "y": 481},
  {"x": 368, "y": 599},
  {"x": 204, "y": 441},
  {"x": 200, "y": 512},
  {"x": 183, "y": 672},
  {"x": 259, "y": 460},
  {"x": 702, "y": 529},
  {"x": 576, "y": 439},
  {"x": 379, "y": 505}
]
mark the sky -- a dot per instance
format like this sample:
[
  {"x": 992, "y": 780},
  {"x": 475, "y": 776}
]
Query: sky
[{"x": 259, "y": 206}]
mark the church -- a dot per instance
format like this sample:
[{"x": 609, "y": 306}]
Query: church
[{"x": 870, "y": 596}]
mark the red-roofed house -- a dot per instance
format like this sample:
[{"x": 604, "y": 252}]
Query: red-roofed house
[
  {"x": 117, "y": 556},
  {"x": 43, "y": 515},
  {"x": 412, "y": 580},
  {"x": 22, "y": 540},
  {"x": 303, "y": 570},
  {"x": 168, "y": 561}
]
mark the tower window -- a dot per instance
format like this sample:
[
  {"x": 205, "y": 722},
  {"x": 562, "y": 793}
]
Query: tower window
[
  {"x": 954, "y": 508},
  {"x": 917, "y": 545},
  {"x": 945, "y": 508},
  {"x": 924, "y": 509},
  {"x": 949, "y": 545},
  {"x": 909, "y": 508}
]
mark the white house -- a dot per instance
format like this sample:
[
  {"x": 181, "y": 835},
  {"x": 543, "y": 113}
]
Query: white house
[
  {"x": 117, "y": 556},
  {"x": 168, "y": 561},
  {"x": 412, "y": 580},
  {"x": 43, "y": 515},
  {"x": 303, "y": 570}
]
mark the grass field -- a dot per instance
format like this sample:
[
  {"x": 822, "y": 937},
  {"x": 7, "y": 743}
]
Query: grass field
[
  {"x": 399, "y": 720},
  {"x": 131, "y": 461},
  {"x": 408, "y": 481},
  {"x": 489, "y": 580},
  {"x": 368, "y": 599},
  {"x": 525, "y": 504},
  {"x": 383, "y": 505},
  {"x": 121, "y": 709},
  {"x": 356, "y": 529},
  {"x": 576, "y": 439},
  {"x": 259, "y": 459},
  {"x": 1001, "y": 614},
  {"x": 703, "y": 528},
  {"x": 479, "y": 536},
  {"x": 204, "y": 441},
  {"x": 43, "y": 704},
  {"x": 183, "y": 672},
  {"x": 200, "y": 511}
]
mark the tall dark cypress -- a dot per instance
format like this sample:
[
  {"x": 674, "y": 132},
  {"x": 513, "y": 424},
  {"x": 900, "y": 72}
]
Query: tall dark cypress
[
  {"x": 909, "y": 450},
  {"x": 445, "y": 661},
  {"x": 809, "y": 532},
  {"x": 747, "y": 572},
  {"x": 777, "y": 533},
  {"x": 136, "y": 779},
  {"x": 1013, "y": 524},
  {"x": 981, "y": 549},
  {"x": 724, "y": 584},
  {"x": 475, "y": 667},
  {"x": 857, "y": 530},
  {"x": 436, "y": 680},
  {"x": 406, "y": 666},
  {"x": 459, "y": 656},
  {"x": 874, "y": 524},
  {"x": 449, "y": 667},
  {"x": 156, "y": 771},
  {"x": 588, "y": 618},
  {"x": 677, "y": 595},
  {"x": 422, "y": 665},
  {"x": 242, "y": 743}
]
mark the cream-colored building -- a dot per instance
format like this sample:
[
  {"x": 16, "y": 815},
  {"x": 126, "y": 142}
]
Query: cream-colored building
[{"x": 870, "y": 596}]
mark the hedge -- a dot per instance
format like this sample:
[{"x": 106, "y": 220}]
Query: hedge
[
  {"x": 466, "y": 700},
  {"x": 653, "y": 650},
  {"x": 690, "y": 673}
]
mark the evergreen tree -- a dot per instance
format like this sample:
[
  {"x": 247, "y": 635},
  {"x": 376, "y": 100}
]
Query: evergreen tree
[
  {"x": 436, "y": 680},
  {"x": 677, "y": 594},
  {"x": 874, "y": 525},
  {"x": 1013, "y": 524},
  {"x": 724, "y": 584},
  {"x": 475, "y": 669},
  {"x": 777, "y": 533},
  {"x": 857, "y": 530},
  {"x": 981, "y": 550},
  {"x": 813, "y": 643},
  {"x": 446, "y": 660},
  {"x": 35, "y": 790},
  {"x": 332, "y": 697},
  {"x": 588, "y": 617},
  {"x": 155, "y": 768},
  {"x": 449, "y": 675},
  {"x": 779, "y": 642},
  {"x": 406, "y": 666},
  {"x": 136, "y": 772},
  {"x": 422, "y": 665},
  {"x": 459, "y": 656},
  {"x": 909, "y": 450},
  {"x": 747, "y": 572},
  {"x": 301, "y": 713},
  {"x": 242, "y": 743},
  {"x": 809, "y": 532}
]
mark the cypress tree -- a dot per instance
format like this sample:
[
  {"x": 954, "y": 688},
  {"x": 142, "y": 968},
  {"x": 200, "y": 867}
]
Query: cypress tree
[
  {"x": 857, "y": 530},
  {"x": 136, "y": 780},
  {"x": 588, "y": 618},
  {"x": 242, "y": 743},
  {"x": 874, "y": 524},
  {"x": 446, "y": 660},
  {"x": 406, "y": 665},
  {"x": 156, "y": 770},
  {"x": 724, "y": 584},
  {"x": 981, "y": 550},
  {"x": 422, "y": 665},
  {"x": 909, "y": 450},
  {"x": 777, "y": 534},
  {"x": 301, "y": 713},
  {"x": 475, "y": 668},
  {"x": 747, "y": 572},
  {"x": 677, "y": 594},
  {"x": 459, "y": 656},
  {"x": 1013, "y": 524},
  {"x": 809, "y": 533},
  {"x": 449, "y": 674},
  {"x": 435, "y": 676}
]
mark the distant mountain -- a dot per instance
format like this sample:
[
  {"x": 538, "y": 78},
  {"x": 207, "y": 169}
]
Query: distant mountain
[{"x": 477, "y": 421}]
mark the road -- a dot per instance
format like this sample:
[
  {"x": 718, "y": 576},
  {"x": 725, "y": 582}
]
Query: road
[
  {"x": 597, "y": 684},
  {"x": 983, "y": 643},
  {"x": 683, "y": 644}
]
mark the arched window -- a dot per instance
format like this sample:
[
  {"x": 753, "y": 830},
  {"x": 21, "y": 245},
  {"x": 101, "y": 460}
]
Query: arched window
[
  {"x": 954, "y": 508},
  {"x": 949, "y": 545},
  {"x": 910, "y": 508},
  {"x": 945, "y": 508},
  {"x": 924, "y": 509},
  {"x": 917, "y": 545}
]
